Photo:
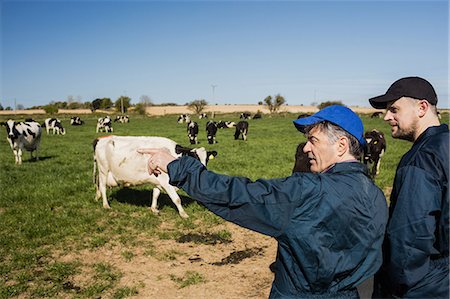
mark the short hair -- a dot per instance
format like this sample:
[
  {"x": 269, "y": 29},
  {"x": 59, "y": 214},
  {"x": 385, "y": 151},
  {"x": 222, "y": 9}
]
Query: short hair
[{"x": 334, "y": 132}]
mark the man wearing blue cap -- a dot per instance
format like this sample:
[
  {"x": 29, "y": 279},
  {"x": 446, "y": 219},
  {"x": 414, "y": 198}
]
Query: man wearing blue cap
[
  {"x": 329, "y": 224},
  {"x": 415, "y": 252}
]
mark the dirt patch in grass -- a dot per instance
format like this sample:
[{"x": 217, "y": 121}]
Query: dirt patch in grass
[{"x": 235, "y": 267}]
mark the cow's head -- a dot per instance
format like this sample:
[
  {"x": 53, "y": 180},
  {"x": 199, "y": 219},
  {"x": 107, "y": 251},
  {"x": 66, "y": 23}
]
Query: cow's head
[
  {"x": 200, "y": 154},
  {"x": 11, "y": 130}
]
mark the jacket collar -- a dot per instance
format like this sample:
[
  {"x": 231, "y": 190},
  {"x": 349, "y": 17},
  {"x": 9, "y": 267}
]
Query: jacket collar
[
  {"x": 348, "y": 167},
  {"x": 432, "y": 131}
]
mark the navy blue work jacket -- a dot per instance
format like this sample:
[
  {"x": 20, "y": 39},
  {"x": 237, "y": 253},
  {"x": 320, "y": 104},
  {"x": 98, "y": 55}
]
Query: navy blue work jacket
[
  {"x": 417, "y": 239},
  {"x": 329, "y": 226}
]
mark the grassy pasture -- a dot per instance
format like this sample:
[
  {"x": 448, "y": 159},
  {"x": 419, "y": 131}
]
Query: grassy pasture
[{"x": 47, "y": 207}]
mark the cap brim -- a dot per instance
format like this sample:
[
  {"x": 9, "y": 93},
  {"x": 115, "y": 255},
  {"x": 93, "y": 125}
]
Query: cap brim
[
  {"x": 382, "y": 101},
  {"x": 302, "y": 123}
]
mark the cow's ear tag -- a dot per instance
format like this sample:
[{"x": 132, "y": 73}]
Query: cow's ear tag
[
  {"x": 375, "y": 142},
  {"x": 211, "y": 157}
]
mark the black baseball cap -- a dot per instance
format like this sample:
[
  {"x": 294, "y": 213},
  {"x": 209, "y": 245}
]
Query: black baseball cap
[{"x": 411, "y": 87}]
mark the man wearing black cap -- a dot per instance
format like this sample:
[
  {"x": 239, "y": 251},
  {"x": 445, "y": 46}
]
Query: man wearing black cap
[
  {"x": 329, "y": 224},
  {"x": 415, "y": 251}
]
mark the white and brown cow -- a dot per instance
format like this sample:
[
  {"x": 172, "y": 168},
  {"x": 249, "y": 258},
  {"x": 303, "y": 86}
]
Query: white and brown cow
[
  {"x": 104, "y": 124},
  {"x": 55, "y": 125},
  {"x": 23, "y": 136},
  {"x": 241, "y": 130},
  {"x": 374, "y": 150},
  {"x": 119, "y": 162}
]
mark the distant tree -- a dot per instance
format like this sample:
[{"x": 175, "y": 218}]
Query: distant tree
[
  {"x": 329, "y": 103},
  {"x": 20, "y": 107},
  {"x": 1, "y": 107},
  {"x": 106, "y": 103},
  {"x": 122, "y": 100},
  {"x": 260, "y": 103},
  {"x": 145, "y": 102},
  {"x": 103, "y": 103},
  {"x": 274, "y": 104},
  {"x": 74, "y": 105},
  {"x": 51, "y": 108},
  {"x": 96, "y": 104},
  {"x": 197, "y": 106},
  {"x": 8, "y": 108}
]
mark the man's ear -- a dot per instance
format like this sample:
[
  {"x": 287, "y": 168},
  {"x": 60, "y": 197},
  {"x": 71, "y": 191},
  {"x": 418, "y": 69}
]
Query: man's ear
[
  {"x": 343, "y": 145},
  {"x": 422, "y": 107}
]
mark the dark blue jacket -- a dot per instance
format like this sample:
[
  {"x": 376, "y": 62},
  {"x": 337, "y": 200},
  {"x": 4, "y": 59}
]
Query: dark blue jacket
[
  {"x": 329, "y": 226},
  {"x": 417, "y": 239}
]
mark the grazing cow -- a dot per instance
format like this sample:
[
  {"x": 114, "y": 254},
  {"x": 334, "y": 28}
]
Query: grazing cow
[
  {"x": 302, "y": 163},
  {"x": 303, "y": 115},
  {"x": 192, "y": 130},
  {"x": 118, "y": 162},
  {"x": 104, "y": 124},
  {"x": 23, "y": 136},
  {"x": 211, "y": 130},
  {"x": 122, "y": 119},
  {"x": 76, "y": 121},
  {"x": 225, "y": 124},
  {"x": 245, "y": 115},
  {"x": 202, "y": 115},
  {"x": 374, "y": 150},
  {"x": 184, "y": 118},
  {"x": 377, "y": 114},
  {"x": 55, "y": 125},
  {"x": 257, "y": 115},
  {"x": 241, "y": 130}
]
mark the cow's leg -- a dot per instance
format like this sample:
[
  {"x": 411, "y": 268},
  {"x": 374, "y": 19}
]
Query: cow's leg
[
  {"x": 16, "y": 156},
  {"x": 176, "y": 200},
  {"x": 244, "y": 135},
  {"x": 155, "y": 194},
  {"x": 102, "y": 187},
  {"x": 19, "y": 156},
  {"x": 378, "y": 162}
]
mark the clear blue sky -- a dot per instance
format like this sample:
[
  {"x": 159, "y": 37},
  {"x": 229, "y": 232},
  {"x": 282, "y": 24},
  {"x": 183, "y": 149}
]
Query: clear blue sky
[{"x": 174, "y": 51}]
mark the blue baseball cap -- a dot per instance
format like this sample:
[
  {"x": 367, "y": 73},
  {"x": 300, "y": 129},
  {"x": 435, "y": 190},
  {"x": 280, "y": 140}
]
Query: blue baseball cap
[{"x": 338, "y": 115}]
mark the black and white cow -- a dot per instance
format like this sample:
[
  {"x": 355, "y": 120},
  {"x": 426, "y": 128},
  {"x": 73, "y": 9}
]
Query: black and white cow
[
  {"x": 76, "y": 121},
  {"x": 23, "y": 136},
  {"x": 374, "y": 150},
  {"x": 55, "y": 125},
  {"x": 245, "y": 115},
  {"x": 211, "y": 130},
  {"x": 377, "y": 114},
  {"x": 104, "y": 124},
  {"x": 122, "y": 119},
  {"x": 202, "y": 115},
  {"x": 302, "y": 163},
  {"x": 303, "y": 115},
  {"x": 241, "y": 130},
  {"x": 225, "y": 124},
  {"x": 257, "y": 115},
  {"x": 119, "y": 162},
  {"x": 184, "y": 118},
  {"x": 192, "y": 130}
]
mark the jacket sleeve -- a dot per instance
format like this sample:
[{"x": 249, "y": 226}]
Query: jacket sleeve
[
  {"x": 264, "y": 206},
  {"x": 412, "y": 226}
]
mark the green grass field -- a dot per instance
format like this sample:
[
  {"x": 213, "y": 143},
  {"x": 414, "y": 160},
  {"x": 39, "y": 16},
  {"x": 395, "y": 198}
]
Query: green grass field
[{"x": 48, "y": 207}]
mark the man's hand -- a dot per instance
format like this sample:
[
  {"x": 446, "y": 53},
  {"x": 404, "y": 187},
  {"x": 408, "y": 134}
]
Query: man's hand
[{"x": 159, "y": 159}]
